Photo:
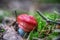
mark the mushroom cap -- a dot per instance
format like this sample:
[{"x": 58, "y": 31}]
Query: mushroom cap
[{"x": 26, "y": 22}]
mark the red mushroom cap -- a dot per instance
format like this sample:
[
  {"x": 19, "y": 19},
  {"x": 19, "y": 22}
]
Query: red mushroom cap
[{"x": 26, "y": 22}]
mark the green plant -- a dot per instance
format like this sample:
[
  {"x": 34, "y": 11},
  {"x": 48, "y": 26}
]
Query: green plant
[{"x": 43, "y": 27}]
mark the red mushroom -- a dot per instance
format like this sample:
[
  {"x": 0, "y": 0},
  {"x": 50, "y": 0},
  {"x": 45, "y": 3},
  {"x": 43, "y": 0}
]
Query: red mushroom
[{"x": 26, "y": 22}]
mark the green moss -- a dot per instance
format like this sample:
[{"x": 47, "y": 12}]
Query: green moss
[{"x": 42, "y": 24}]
